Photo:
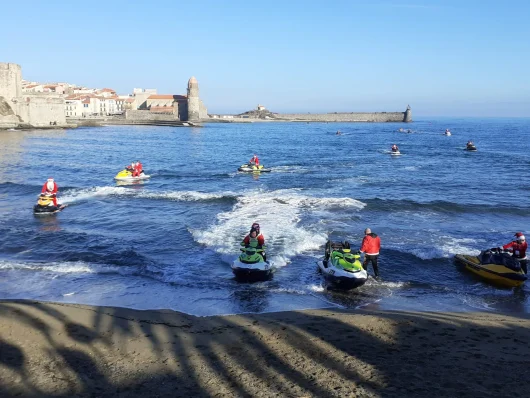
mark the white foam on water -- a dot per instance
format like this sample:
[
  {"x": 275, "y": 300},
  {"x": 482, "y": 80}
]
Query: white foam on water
[
  {"x": 77, "y": 267},
  {"x": 438, "y": 247},
  {"x": 394, "y": 285},
  {"x": 290, "y": 169},
  {"x": 185, "y": 196},
  {"x": 79, "y": 195},
  {"x": 279, "y": 214},
  {"x": 317, "y": 289}
]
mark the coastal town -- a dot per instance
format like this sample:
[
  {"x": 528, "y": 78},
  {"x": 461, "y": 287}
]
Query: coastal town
[{"x": 33, "y": 104}]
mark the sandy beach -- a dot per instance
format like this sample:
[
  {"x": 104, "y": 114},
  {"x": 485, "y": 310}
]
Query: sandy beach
[{"x": 65, "y": 350}]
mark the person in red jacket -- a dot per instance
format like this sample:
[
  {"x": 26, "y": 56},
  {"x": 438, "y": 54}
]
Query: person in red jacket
[
  {"x": 254, "y": 160},
  {"x": 255, "y": 239},
  {"x": 518, "y": 248},
  {"x": 370, "y": 247},
  {"x": 138, "y": 168},
  {"x": 50, "y": 188}
]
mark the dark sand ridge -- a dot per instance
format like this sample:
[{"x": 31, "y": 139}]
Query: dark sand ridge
[{"x": 65, "y": 350}]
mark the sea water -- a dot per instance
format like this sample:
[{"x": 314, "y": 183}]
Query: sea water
[{"x": 169, "y": 242}]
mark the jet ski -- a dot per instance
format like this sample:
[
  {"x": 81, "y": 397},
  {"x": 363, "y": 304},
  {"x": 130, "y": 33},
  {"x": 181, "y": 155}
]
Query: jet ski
[
  {"x": 251, "y": 265},
  {"x": 447, "y": 133},
  {"x": 342, "y": 267},
  {"x": 45, "y": 205},
  {"x": 126, "y": 175},
  {"x": 395, "y": 152},
  {"x": 494, "y": 266},
  {"x": 471, "y": 147},
  {"x": 252, "y": 168}
]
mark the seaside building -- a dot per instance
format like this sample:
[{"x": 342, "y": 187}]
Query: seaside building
[
  {"x": 20, "y": 108},
  {"x": 147, "y": 104}
]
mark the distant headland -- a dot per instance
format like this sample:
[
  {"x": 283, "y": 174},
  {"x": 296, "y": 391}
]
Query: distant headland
[{"x": 28, "y": 104}]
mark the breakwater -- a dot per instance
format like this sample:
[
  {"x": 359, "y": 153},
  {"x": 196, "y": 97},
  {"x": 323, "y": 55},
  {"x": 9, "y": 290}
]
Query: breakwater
[{"x": 376, "y": 117}]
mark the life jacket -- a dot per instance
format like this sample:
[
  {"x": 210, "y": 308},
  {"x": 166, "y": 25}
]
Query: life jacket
[{"x": 253, "y": 242}]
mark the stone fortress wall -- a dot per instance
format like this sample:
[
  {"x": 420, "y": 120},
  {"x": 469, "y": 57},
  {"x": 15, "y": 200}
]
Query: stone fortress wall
[
  {"x": 19, "y": 109},
  {"x": 376, "y": 117},
  {"x": 192, "y": 109},
  {"x": 263, "y": 115},
  {"x": 135, "y": 114}
]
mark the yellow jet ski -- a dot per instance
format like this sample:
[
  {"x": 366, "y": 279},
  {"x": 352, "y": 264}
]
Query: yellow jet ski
[
  {"x": 498, "y": 268},
  {"x": 126, "y": 175},
  {"x": 45, "y": 205}
]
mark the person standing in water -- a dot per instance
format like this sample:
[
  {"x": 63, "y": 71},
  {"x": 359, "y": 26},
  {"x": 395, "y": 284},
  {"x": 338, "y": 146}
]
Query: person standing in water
[{"x": 370, "y": 247}]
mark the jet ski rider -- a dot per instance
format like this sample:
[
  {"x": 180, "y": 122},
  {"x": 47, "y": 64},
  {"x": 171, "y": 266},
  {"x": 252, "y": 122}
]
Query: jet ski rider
[
  {"x": 130, "y": 167},
  {"x": 254, "y": 161},
  {"x": 518, "y": 248},
  {"x": 50, "y": 188},
  {"x": 137, "y": 169},
  {"x": 395, "y": 148},
  {"x": 255, "y": 239}
]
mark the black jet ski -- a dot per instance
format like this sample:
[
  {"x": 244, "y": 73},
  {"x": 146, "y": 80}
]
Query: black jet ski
[
  {"x": 471, "y": 147},
  {"x": 45, "y": 205},
  {"x": 252, "y": 168},
  {"x": 494, "y": 266}
]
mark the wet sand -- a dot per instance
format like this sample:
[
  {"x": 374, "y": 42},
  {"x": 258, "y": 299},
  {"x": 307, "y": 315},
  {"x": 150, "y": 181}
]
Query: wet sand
[{"x": 65, "y": 350}]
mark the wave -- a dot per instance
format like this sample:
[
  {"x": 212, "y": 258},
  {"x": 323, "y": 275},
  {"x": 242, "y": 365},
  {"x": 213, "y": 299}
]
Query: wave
[
  {"x": 440, "y": 206},
  {"x": 437, "y": 247},
  {"x": 281, "y": 215},
  {"x": 80, "y": 195},
  {"x": 74, "y": 267}
]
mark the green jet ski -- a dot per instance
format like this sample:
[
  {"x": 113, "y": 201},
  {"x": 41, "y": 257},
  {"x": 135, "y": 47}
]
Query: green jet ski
[{"x": 341, "y": 266}]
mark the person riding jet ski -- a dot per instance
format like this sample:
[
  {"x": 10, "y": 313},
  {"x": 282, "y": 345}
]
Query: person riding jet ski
[
  {"x": 138, "y": 169},
  {"x": 50, "y": 188},
  {"x": 518, "y": 249},
  {"x": 255, "y": 239},
  {"x": 395, "y": 148},
  {"x": 254, "y": 161},
  {"x": 470, "y": 146}
]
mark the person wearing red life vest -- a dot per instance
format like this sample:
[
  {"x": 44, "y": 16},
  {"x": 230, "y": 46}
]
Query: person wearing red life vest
[
  {"x": 138, "y": 168},
  {"x": 255, "y": 239},
  {"x": 370, "y": 247},
  {"x": 518, "y": 248},
  {"x": 50, "y": 188},
  {"x": 254, "y": 160}
]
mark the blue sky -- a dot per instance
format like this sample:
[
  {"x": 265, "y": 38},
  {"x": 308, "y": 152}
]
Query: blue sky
[{"x": 444, "y": 58}]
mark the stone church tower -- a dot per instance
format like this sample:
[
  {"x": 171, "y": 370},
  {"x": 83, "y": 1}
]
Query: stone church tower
[{"x": 193, "y": 100}]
